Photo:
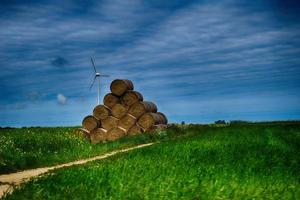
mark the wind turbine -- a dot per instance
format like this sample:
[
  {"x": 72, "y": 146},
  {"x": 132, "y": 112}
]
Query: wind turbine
[{"x": 97, "y": 75}]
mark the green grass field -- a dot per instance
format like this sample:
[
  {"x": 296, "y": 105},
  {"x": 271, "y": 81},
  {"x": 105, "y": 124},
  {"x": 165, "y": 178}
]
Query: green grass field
[
  {"x": 249, "y": 161},
  {"x": 25, "y": 148}
]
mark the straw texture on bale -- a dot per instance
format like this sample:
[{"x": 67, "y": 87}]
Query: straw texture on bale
[
  {"x": 90, "y": 123},
  {"x": 127, "y": 122},
  {"x": 140, "y": 108},
  {"x": 83, "y": 133},
  {"x": 157, "y": 127},
  {"x": 110, "y": 100},
  {"x": 109, "y": 122},
  {"x": 163, "y": 118},
  {"x": 135, "y": 130},
  {"x": 119, "y": 110},
  {"x": 150, "y": 119},
  {"x": 98, "y": 135},
  {"x": 131, "y": 97},
  {"x": 115, "y": 133},
  {"x": 101, "y": 112},
  {"x": 120, "y": 86}
]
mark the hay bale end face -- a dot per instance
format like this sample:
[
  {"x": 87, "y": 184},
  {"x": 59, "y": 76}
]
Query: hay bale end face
[
  {"x": 131, "y": 97},
  {"x": 109, "y": 122},
  {"x": 90, "y": 123},
  {"x": 140, "y": 108},
  {"x": 82, "y": 133},
  {"x": 119, "y": 110},
  {"x": 115, "y": 133},
  {"x": 127, "y": 122},
  {"x": 98, "y": 135},
  {"x": 155, "y": 128},
  {"x": 135, "y": 130},
  {"x": 110, "y": 100},
  {"x": 150, "y": 119},
  {"x": 163, "y": 118},
  {"x": 119, "y": 86},
  {"x": 101, "y": 112}
]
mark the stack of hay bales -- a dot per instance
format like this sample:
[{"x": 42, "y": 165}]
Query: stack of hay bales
[{"x": 123, "y": 113}]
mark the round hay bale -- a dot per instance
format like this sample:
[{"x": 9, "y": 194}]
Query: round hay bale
[
  {"x": 131, "y": 97},
  {"x": 109, "y": 122},
  {"x": 142, "y": 107},
  {"x": 110, "y": 100},
  {"x": 120, "y": 86},
  {"x": 135, "y": 130},
  {"x": 119, "y": 110},
  {"x": 163, "y": 118},
  {"x": 101, "y": 112},
  {"x": 82, "y": 133},
  {"x": 156, "y": 128},
  {"x": 115, "y": 133},
  {"x": 127, "y": 122},
  {"x": 98, "y": 135},
  {"x": 149, "y": 119},
  {"x": 90, "y": 123}
]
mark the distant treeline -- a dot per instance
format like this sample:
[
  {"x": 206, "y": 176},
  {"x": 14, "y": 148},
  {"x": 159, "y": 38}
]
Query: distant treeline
[
  {"x": 238, "y": 122},
  {"x": 233, "y": 122}
]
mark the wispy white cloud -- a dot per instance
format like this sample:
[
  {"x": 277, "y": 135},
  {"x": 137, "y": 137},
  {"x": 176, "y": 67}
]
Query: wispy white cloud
[{"x": 61, "y": 99}]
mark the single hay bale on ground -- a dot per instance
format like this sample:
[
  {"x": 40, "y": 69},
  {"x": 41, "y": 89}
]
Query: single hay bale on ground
[
  {"x": 110, "y": 100},
  {"x": 109, "y": 122},
  {"x": 127, "y": 122},
  {"x": 140, "y": 108},
  {"x": 82, "y": 133},
  {"x": 115, "y": 133},
  {"x": 98, "y": 135},
  {"x": 119, "y": 110},
  {"x": 120, "y": 86},
  {"x": 157, "y": 127},
  {"x": 150, "y": 119},
  {"x": 131, "y": 97},
  {"x": 135, "y": 130},
  {"x": 101, "y": 112},
  {"x": 90, "y": 123},
  {"x": 163, "y": 118}
]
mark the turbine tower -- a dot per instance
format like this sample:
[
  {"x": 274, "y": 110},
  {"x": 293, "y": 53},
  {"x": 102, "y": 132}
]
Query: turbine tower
[{"x": 97, "y": 75}]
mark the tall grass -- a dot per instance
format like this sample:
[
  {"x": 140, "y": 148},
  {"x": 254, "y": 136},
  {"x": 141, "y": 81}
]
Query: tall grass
[
  {"x": 235, "y": 162},
  {"x": 24, "y": 148}
]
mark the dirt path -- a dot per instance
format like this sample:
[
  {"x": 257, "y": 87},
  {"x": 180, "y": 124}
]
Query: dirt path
[{"x": 8, "y": 181}]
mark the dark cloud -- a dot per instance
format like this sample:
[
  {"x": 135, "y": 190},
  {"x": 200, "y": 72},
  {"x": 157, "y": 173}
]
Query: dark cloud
[
  {"x": 19, "y": 106},
  {"x": 170, "y": 5},
  {"x": 34, "y": 95},
  {"x": 59, "y": 62},
  {"x": 15, "y": 106}
]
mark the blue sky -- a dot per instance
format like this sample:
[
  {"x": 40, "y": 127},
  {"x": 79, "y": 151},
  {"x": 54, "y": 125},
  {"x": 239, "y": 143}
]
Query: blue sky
[{"x": 199, "y": 61}]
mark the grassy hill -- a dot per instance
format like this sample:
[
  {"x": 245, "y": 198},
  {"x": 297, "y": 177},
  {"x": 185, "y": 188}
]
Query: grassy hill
[
  {"x": 249, "y": 161},
  {"x": 25, "y": 148}
]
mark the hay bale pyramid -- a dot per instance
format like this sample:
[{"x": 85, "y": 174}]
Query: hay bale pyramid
[{"x": 124, "y": 112}]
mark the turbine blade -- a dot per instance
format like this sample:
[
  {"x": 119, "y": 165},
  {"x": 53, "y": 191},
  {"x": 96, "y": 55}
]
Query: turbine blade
[
  {"x": 93, "y": 82},
  {"x": 104, "y": 75},
  {"x": 93, "y": 65}
]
